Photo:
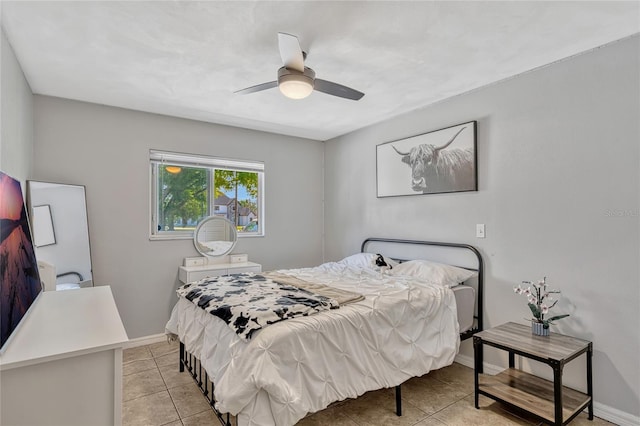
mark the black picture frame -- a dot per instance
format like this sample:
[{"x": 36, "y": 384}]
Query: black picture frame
[{"x": 436, "y": 162}]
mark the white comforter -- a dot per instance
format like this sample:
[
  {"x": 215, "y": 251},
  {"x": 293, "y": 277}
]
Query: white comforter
[{"x": 403, "y": 328}]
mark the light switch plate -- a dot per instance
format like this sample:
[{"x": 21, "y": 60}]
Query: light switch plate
[{"x": 480, "y": 230}]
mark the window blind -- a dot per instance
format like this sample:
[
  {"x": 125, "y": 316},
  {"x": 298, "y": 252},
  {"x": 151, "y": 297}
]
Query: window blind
[{"x": 192, "y": 160}]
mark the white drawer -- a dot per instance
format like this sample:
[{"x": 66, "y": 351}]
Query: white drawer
[
  {"x": 245, "y": 269},
  {"x": 187, "y": 274},
  {"x": 198, "y": 275}
]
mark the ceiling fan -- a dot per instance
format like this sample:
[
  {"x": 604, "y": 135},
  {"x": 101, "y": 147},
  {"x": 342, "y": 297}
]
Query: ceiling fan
[{"x": 296, "y": 81}]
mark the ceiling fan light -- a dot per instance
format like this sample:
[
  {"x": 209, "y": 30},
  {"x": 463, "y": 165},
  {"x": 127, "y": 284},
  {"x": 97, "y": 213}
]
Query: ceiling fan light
[
  {"x": 295, "y": 84},
  {"x": 173, "y": 169},
  {"x": 295, "y": 88}
]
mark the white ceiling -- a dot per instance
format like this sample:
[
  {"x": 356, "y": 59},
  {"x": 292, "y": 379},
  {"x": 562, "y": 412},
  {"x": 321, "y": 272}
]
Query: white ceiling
[{"x": 185, "y": 59}]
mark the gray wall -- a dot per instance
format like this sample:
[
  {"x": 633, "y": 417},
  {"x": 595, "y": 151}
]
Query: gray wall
[
  {"x": 559, "y": 192},
  {"x": 16, "y": 116},
  {"x": 107, "y": 149}
]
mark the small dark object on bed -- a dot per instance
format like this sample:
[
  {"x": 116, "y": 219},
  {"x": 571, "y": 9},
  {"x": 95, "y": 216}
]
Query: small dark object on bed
[{"x": 380, "y": 261}]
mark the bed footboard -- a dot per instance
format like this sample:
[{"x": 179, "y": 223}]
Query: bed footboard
[{"x": 192, "y": 364}]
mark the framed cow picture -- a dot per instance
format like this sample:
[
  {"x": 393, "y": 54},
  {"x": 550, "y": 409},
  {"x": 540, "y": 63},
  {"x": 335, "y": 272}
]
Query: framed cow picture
[{"x": 431, "y": 163}]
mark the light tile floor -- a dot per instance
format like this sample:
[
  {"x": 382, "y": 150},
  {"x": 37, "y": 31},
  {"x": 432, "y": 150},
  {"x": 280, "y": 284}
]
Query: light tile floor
[{"x": 155, "y": 393}]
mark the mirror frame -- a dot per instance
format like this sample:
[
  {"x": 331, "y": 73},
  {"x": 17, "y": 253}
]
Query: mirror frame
[
  {"x": 30, "y": 204},
  {"x": 197, "y": 243}
]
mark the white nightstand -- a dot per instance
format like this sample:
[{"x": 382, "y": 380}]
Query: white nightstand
[{"x": 187, "y": 274}]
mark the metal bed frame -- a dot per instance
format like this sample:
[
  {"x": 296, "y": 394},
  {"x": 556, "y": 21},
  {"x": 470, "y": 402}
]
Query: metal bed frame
[
  {"x": 193, "y": 365},
  {"x": 480, "y": 268}
]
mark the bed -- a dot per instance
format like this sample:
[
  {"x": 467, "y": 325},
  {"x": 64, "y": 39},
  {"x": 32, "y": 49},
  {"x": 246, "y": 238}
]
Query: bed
[{"x": 409, "y": 321}]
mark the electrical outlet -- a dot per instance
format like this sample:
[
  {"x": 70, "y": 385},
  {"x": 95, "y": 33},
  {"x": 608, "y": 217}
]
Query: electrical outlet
[{"x": 480, "y": 230}]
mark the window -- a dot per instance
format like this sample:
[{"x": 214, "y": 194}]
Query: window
[{"x": 186, "y": 188}]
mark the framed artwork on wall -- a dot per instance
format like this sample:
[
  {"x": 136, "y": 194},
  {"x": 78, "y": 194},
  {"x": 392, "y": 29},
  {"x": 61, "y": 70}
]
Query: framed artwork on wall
[{"x": 436, "y": 162}]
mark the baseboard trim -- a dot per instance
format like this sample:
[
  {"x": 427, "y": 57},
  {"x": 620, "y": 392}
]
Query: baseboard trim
[
  {"x": 614, "y": 415},
  {"x": 468, "y": 361},
  {"x": 145, "y": 340},
  {"x": 600, "y": 410}
]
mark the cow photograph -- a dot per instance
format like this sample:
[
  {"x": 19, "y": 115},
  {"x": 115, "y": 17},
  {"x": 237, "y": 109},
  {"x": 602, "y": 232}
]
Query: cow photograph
[{"x": 431, "y": 163}]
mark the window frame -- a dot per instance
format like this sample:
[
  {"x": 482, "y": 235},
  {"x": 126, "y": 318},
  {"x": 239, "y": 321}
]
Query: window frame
[{"x": 160, "y": 158}]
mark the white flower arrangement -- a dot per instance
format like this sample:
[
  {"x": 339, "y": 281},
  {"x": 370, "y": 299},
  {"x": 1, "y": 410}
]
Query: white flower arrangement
[{"x": 540, "y": 300}]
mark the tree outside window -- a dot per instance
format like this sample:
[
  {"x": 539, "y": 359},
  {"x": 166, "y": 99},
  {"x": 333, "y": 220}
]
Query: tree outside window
[{"x": 242, "y": 188}]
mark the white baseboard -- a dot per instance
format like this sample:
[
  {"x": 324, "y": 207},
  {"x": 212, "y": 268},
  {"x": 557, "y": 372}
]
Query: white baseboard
[
  {"x": 600, "y": 410},
  {"x": 467, "y": 361},
  {"x": 146, "y": 340},
  {"x": 614, "y": 415}
]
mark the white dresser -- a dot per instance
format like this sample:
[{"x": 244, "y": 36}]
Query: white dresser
[
  {"x": 64, "y": 365},
  {"x": 187, "y": 274}
]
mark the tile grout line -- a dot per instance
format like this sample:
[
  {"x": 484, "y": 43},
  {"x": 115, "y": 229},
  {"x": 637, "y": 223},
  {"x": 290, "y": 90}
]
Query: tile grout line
[
  {"x": 170, "y": 396},
  {"x": 404, "y": 401},
  {"x": 144, "y": 395},
  {"x": 447, "y": 406},
  {"x": 166, "y": 386}
]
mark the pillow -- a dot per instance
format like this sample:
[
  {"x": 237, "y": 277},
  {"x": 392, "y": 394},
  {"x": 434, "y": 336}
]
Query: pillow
[
  {"x": 368, "y": 260},
  {"x": 440, "y": 273}
]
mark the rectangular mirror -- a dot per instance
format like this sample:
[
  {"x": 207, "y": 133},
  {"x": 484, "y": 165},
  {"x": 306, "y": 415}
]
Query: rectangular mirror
[{"x": 63, "y": 208}]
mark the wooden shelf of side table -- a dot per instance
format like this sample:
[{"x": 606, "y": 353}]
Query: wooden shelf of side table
[{"x": 547, "y": 400}]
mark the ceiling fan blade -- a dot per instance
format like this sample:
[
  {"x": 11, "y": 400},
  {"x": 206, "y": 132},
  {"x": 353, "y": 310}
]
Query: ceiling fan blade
[
  {"x": 290, "y": 52},
  {"x": 336, "y": 89},
  {"x": 257, "y": 88}
]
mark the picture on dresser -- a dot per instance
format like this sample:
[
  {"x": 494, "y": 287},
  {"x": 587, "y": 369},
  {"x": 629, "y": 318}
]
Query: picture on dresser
[{"x": 20, "y": 283}]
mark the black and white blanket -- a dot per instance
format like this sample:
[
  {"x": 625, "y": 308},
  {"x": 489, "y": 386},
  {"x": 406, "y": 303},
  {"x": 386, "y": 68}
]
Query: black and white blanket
[{"x": 248, "y": 302}]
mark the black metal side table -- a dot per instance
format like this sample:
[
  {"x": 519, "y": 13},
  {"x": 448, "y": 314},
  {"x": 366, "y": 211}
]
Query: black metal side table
[{"x": 548, "y": 401}]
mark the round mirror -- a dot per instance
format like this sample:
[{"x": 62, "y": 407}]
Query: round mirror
[{"x": 214, "y": 236}]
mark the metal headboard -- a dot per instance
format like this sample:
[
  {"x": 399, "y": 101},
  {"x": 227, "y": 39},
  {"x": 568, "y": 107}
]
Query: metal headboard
[{"x": 455, "y": 246}]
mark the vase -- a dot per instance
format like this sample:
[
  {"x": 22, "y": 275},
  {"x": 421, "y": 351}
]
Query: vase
[{"x": 538, "y": 329}]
